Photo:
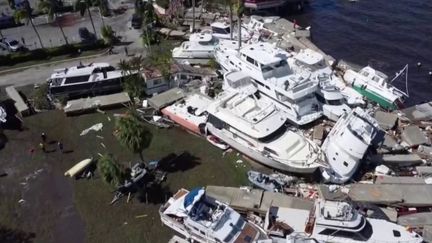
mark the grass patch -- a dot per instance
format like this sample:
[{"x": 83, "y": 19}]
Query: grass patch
[{"x": 52, "y": 197}]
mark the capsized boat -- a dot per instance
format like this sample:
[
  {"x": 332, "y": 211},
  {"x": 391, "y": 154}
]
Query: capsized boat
[
  {"x": 347, "y": 143},
  {"x": 202, "y": 218},
  {"x": 335, "y": 221},
  {"x": 375, "y": 86},
  {"x": 190, "y": 112}
]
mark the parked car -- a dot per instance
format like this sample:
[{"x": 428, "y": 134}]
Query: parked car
[
  {"x": 11, "y": 45},
  {"x": 136, "y": 21},
  {"x": 86, "y": 36}
]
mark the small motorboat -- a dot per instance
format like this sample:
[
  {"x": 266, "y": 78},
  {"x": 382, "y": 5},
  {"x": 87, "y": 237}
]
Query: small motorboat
[
  {"x": 217, "y": 142},
  {"x": 265, "y": 182}
]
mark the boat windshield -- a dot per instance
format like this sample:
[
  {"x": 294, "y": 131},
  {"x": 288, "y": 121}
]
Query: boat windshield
[
  {"x": 335, "y": 102},
  {"x": 218, "y": 30},
  {"x": 235, "y": 229},
  {"x": 274, "y": 135}
]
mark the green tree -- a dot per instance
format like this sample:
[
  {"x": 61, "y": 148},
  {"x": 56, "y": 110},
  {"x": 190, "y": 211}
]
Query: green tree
[
  {"x": 51, "y": 7},
  {"x": 161, "y": 58},
  {"x": 82, "y": 6},
  {"x": 108, "y": 35},
  {"x": 25, "y": 13},
  {"x": 134, "y": 82},
  {"x": 150, "y": 19},
  {"x": 110, "y": 170},
  {"x": 132, "y": 133}
]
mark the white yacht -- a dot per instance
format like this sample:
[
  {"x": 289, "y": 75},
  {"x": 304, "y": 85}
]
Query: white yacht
[
  {"x": 250, "y": 123},
  {"x": 332, "y": 221},
  {"x": 202, "y": 218},
  {"x": 222, "y": 30},
  {"x": 268, "y": 68},
  {"x": 329, "y": 96},
  {"x": 347, "y": 143},
  {"x": 200, "y": 47},
  {"x": 375, "y": 86},
  {"x": 85, "y": 79},
  {"x": 190, "y": 112}
]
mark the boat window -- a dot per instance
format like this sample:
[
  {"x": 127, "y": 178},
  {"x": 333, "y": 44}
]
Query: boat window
[
  {"x": 270, "y": 151},
  {"x": 77, "y": 79},
  {"x": 362, "y": 235},
  {"x": 157, "y": 81},
  {"x": 375, "y": 78},
  {"x": 282, "y": 63},
  {"x": 334, "y": 102},
  {"x": 282, "y": 97},
  {"x": 250, "y": 60},
  {"x": 320, "y": 98},
  {"x": 216, "y": 122},
  {"x": 275, "y": 135},
  {"x": 266, "y": 69},
  {"x": 396, "y": 233},
  {"x": 345, "y": 163},
  {"x": 217, "y": 30}
]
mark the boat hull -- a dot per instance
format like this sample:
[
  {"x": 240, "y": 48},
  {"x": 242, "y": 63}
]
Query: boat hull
[
  {"x": 97, "y": 87},
  {"x": 383, "y": 102},
  {"x": 187, "y": 124},
  {"x": 257, "y": 156}
]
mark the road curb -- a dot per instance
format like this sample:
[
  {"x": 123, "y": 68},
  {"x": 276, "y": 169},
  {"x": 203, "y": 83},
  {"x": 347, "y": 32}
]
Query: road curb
[{"x": 18, "y": 69}]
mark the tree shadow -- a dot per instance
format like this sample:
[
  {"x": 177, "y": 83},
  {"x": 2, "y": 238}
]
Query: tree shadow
[
  {"x": 8, "y": 235},
  {"x": 3, "y": 140},
  {"x": 173, "y": 163},
  {"x": 155, "y": 194}
]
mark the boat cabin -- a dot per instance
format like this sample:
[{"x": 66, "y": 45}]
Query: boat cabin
[{"x": 374, "y": 75}]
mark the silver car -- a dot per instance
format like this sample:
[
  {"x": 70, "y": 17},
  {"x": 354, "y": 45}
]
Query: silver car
[{"x": 11, "y": 45}]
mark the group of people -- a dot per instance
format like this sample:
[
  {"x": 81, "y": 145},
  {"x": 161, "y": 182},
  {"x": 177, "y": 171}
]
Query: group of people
[{"x": 43, "y": 144}]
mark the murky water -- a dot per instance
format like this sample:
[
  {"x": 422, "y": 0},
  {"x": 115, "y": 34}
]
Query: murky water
[{"x": 384, "y": 34}]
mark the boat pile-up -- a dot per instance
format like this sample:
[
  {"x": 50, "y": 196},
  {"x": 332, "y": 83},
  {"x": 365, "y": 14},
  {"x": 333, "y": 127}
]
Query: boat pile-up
[
  {"x": 202, "y": 218},
  {"x": 270, "y": 95}
]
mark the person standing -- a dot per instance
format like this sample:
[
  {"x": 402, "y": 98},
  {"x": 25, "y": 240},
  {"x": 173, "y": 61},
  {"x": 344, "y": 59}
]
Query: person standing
[
  {"x": 42, "y": 147},
  {"x": 126, "y": 51},
  {"x": 60, "y": 146},
  {"x": 43, "y": 137}
]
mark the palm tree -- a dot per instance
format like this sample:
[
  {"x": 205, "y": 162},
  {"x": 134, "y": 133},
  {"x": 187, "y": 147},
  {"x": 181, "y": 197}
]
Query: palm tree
[
  {"x": 229, "y": 4},
  {"x": 51, "y": 7},
  {"x": 239, "y": 11},
  {"x": 110, "y": 170},
  {"x": 134, "y": 82},
  {"x": 82, "y": 6},
  {"x": 193, "y": 16},
  {"x": 26, "y": 13},
  {"x": 132, "y": 134}
]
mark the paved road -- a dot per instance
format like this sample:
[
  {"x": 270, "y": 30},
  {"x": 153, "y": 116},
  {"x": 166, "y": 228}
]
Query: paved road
[{"x": 41, "y": 73}]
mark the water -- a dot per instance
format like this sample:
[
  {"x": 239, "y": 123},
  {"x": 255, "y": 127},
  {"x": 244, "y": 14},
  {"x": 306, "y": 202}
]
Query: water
[{"x": 384, "y": 34}]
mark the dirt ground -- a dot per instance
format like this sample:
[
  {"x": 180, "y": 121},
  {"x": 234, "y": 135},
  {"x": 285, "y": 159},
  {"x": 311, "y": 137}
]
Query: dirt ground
[{"x": 39, "y": 204}]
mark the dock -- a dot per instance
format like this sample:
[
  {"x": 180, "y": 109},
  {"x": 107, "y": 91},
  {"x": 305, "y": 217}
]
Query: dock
[
  {"x": 256, "y": 200},
  {"x": 416, "y": 219},
  {"x": 166, "y": 98},
  {"x": 20, "y": 104},
  {"x": 409, "y": 195},
  {"x": 92, "y": 103}
]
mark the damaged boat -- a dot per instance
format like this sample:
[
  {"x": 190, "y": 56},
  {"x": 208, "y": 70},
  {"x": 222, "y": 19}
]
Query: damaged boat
[
  {"x": 347, "y": 143},
  {"x": 250, "y": 123},
  {"x": 202, "y": 218},
  {"x": 334, "y": 221}
]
